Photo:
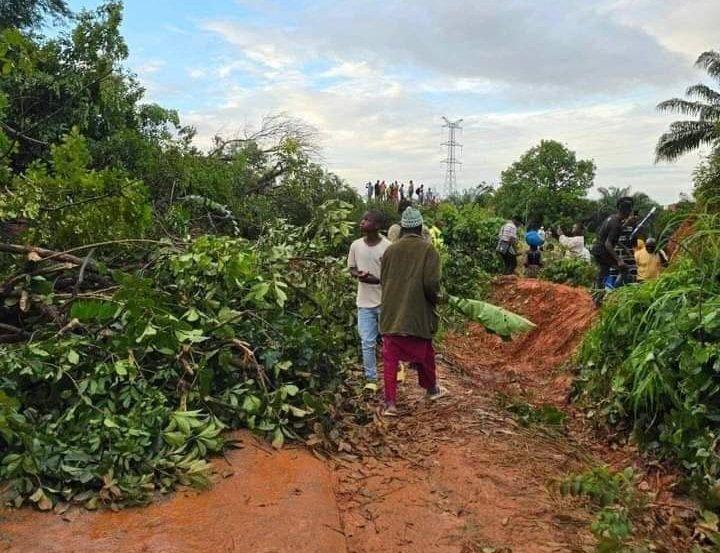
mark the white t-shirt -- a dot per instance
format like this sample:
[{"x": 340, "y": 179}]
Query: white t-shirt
[
  {"x": 368, "y": 258},
  {"x": 574, "y": 244}
]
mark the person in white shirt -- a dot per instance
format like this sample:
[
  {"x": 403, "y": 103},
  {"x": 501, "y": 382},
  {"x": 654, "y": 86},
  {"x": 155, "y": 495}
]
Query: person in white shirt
[
  {"x": 507, "y": 238},
  {"x": 364, "y": 260},
  {"x": 574, "y": 243}
]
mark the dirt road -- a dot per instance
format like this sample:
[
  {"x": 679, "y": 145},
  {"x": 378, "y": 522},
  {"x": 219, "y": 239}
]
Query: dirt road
[{"x": 461, "y": 475}]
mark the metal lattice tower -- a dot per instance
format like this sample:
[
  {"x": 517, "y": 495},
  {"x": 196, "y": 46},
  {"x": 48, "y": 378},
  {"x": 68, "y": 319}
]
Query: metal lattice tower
[{"x": 451, "y": 159}]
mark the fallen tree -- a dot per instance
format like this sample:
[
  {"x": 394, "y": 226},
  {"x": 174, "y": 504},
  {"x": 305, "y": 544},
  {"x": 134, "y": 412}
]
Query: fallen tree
[{"x": 120, "y": 385}]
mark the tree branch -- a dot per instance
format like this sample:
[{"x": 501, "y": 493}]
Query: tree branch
[{"x": 43, "y": 253}]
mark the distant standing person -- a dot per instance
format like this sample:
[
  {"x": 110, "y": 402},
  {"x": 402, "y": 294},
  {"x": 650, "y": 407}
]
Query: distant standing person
[
  {"x": 421, "y": 194},
  {"x": 377, "y": 189},
  {"x": 364, "y": 261},
  {"x": 410, "y": 277},
  {"x": 395, "y": 230},
  {"x": 533, "y": 261},
  {"x": 650, "y": 261},
  {"x": 541, "y": 233},
  {"x": 411, "y": 190},
  {"x": 507, "y": 240},
  {"x": 574, "y": 243},
  {"x": 603, "y": 250},
  {"x": 369, "y": 188}
]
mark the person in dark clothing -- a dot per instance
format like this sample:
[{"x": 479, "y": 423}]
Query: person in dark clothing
[
  {"x": 533, "y": 262},
  {"x": 410, "y": 277},
  {"x": 608, "y": 235}
]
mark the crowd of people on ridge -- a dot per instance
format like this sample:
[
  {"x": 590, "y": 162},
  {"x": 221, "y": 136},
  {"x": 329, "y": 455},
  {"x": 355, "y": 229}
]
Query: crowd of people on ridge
[{"x": 397, "y": 192}]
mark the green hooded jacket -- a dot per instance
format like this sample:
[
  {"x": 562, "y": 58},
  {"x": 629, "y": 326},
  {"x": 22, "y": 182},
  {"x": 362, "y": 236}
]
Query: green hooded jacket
[{"x": 410, "y": 280}]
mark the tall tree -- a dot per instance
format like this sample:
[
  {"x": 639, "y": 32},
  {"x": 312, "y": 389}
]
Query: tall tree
[
  {"x": 548, "y": 184},
  {"x": 29, "y": 13},
  {"x": 704, "y": 104}
]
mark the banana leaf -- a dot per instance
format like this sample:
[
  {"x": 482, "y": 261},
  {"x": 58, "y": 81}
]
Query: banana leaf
[{"x": 496, "y": 320}]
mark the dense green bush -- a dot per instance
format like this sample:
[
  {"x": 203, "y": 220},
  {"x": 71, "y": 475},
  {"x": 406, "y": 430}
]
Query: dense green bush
[
  {"x": 470, "y": 232},
  {"x": 653, "y": 358},
  {"x": 569, "y": 270},
  {"x": 127, "y": 392},
  {"x": 69, "y": 204}
]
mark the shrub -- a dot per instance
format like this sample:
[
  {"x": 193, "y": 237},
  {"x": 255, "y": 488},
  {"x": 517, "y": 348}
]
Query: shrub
[
  {"x": 470, "y": 230},
  {"x": 652, "y": 359},
  {"x": 569, "y": 270}
]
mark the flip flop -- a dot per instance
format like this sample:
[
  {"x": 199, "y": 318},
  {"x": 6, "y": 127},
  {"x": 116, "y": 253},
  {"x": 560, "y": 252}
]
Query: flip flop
[{"x": 390, "y": 411}]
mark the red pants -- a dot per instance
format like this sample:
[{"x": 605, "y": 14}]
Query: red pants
[{"x": 409, "y": 349}]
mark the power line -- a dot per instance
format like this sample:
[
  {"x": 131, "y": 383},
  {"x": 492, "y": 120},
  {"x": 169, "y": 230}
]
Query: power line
[{"x": 451, "y": 160}]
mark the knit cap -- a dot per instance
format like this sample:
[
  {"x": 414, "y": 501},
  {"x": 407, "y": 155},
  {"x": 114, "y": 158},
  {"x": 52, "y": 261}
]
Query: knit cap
[{"x": 411, "y": 218}]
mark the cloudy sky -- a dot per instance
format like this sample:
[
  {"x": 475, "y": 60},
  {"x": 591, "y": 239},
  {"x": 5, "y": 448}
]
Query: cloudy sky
[{"x": 376, "y": 76}]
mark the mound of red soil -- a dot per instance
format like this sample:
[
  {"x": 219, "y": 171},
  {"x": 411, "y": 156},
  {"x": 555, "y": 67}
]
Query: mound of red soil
[
  {"x": 562, "y": 315},
  {"x": 684, "y": 231}
]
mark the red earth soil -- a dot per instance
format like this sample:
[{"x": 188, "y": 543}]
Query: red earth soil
[
  {"x": 263, "y": 501},
  {"x": 462, "y": 476},
  {"x": 459, "y": 475},
  {"x": 533, "y": 360}
]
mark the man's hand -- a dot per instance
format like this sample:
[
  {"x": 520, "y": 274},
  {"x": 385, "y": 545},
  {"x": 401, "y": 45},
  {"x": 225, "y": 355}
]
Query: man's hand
[
  {"x": 621, "y": 264},
  {"x": 366, "y": 277}
]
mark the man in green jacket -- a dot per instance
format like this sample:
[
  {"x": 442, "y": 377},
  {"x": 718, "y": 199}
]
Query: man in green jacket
[{"x": 410, "y": 280}]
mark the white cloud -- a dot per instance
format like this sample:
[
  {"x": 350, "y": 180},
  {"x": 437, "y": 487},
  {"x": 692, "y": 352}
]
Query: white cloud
[
  {"x": 196, "y": 73},
  {"x": 263, "y": 46},
  {"x": 149, "y": 67},
  {"x": 688, "y": 27},
  {"x": 586, "y": 74}
]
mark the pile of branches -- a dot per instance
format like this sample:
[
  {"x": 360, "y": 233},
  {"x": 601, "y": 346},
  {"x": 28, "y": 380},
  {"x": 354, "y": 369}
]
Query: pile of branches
[{"x": 118, "y": 377}]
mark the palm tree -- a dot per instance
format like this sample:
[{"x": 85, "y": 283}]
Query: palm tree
[
  {"x": 704, "y": 103},
  {"x": 610, "y": 196}
]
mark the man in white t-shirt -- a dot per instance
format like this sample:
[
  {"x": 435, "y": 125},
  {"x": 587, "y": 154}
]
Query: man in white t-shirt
[
  {"x": 575, "y": 243},
  {"x": 364, "y": 262}
]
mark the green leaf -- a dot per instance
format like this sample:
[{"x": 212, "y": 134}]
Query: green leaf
[
  {"x": 297, "y": 412},
  {"x": 495, "y": 319},
  {"x": 109, "y": 423},
  {"x": 251, "y": 404},
  {"x": 73, "y": 357},
  {"x": 93, "y": 310},
  {"x": 121, "y": 367},
  {"x": 150, "y": 330},
  {"x": 41, "y": 500},
  {"x": 278, "y": 438},
  {"x": 192, "y": 315},
  {"x": 193, "y": 336},
  {"x": 291, "y": 389}
]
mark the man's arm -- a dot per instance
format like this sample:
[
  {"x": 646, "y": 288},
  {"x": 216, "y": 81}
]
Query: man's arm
[
  {"x": 352, "y": 262},
  {"x": 610, "y": 242},
  {"x": 362, "y": 276},
  {"x": 431, "y": 276}
]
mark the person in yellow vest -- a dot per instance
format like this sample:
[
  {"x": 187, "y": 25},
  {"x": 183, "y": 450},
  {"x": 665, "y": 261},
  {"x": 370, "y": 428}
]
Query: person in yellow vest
[{"x": 649, "y": 261}]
